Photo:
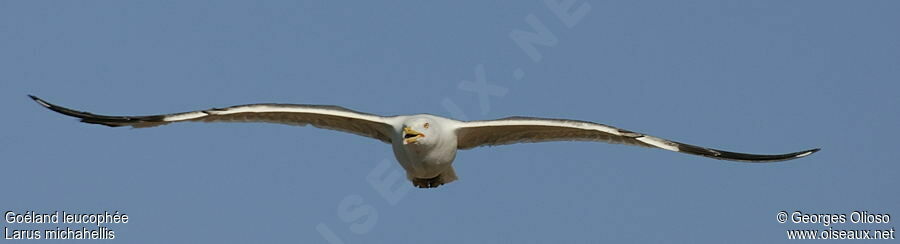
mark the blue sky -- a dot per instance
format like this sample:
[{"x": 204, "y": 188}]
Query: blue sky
[{"x": 750, "y": 76}]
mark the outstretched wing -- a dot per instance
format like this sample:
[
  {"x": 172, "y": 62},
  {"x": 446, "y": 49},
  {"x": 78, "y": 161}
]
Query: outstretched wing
[
  {"x": 327, "y": 117},
  {"x": 525, "y": 129}
]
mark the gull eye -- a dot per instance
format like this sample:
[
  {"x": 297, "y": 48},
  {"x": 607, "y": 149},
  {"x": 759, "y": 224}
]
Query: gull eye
[{"x": 425, "y": 125}]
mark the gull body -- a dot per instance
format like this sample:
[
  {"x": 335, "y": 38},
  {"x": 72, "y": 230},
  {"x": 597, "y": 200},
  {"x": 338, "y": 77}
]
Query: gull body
[
  {"x": 425, "y": 145},
  {"x": 427, "y": 160}
]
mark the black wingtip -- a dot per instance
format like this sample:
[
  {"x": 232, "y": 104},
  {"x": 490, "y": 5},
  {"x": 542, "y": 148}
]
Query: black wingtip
[
  {"x": 808, "y": 152},
  {"x": 112, "y": 121},
  {"x": 734, "y": 156},
  {"x": 766, "y": 158},
  {"x": 805, "y": 153},
  {"x": 58, "y": 109},
  {"x": 40, "y": 101}
]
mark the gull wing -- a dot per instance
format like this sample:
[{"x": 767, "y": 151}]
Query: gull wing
[
  {"x": 326, "y": 117},
  {"x": 528, "y": 130}
]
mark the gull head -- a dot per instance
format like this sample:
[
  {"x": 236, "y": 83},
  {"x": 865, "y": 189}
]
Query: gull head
[{"x": 418, "y": 131}]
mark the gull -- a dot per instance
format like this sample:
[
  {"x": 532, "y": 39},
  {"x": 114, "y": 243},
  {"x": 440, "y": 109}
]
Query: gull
[{"x": 425, "y": 145}]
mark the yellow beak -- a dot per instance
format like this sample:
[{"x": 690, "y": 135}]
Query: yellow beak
[{"x": 410, "y": 135}]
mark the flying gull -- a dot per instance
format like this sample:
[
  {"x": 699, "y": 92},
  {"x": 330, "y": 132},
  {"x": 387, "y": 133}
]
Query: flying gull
[{"x": 425, "y": 145}]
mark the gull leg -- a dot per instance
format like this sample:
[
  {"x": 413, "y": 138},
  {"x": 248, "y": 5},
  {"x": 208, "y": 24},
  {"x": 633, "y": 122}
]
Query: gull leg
[{"x": 428, "y": 183}]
